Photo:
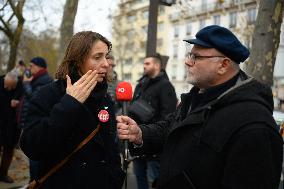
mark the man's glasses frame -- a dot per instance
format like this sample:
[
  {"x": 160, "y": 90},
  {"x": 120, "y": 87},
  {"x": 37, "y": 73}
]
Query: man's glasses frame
[{"x": 194, "y": 57}]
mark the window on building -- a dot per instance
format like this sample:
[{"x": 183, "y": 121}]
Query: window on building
[
  {"x": 128, "y": 61},
  {"x": 159, "y": 42},
  {"x": 129, "y": 46},
  {"x": 143, "y": 45},
  {"x": 248, "y": 42},
  {"x": 176, "y": 31},
  {"x": 161, "y": 26},
  {"x": 161, "y": 10},
  {"x": 188, "y": 28},
  {"x": 131, "y": 18},
  {"x": 217, "y": 19},
  {"x": 145, "y": 14},
  {"x": 130, "y": 34},
  {"x": 175, "y": 51},
  {"x": 141, "y": 61},
  {"x": 233, "y": 19},
  {"x": 144, "y": 29},
  {"x": 237, "y": 1},
  {"x": 204, "y": 5},
  {"x": 201, "y": 23},
  {"x": 127, "y": 76},
  {"x": 251, "y": 15}
]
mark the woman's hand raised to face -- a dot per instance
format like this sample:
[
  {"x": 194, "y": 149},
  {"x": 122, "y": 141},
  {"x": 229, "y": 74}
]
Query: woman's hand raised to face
[{"x": 81, "y": 89}]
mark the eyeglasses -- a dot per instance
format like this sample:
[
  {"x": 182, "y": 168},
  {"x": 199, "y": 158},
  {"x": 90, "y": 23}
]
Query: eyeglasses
[{"x": 195, "y": 57}]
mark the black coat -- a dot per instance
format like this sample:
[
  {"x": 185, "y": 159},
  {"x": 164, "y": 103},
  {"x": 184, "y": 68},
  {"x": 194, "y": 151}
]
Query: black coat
[
  {"x": 56, "y": 123},
  {"x": 30, "y": 89},
  {"x": 159, "y": 93},
  {"x": 230, "y": 142},
  {"x": 9, "y": 133}
]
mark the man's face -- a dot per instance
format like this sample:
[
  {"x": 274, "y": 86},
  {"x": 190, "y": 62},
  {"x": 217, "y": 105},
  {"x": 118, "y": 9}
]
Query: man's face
[
  {"x": 34, "y": 68},
  {"x": 10, "y": 84},
  {"x": 150, "y": 67},
  {"x": 202, "y": 66}
]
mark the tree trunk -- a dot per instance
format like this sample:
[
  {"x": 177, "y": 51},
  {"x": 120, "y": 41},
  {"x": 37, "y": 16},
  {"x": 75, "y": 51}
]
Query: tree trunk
[
  {"x": 265, "y": 41},
  {"x": 67, "y": 26},
  {"x": 14, "y": 43}
]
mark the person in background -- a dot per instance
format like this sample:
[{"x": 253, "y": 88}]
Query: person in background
[
  {"x": 33, "y": 79},
  {"x": 19, "y": 69},
  {"x": 9, "y": 132},
  {"x": 155, "y": 88},
  {"x": 222, "y": 134},
  {"x": 113, "y": 81},
  {"x": 65, "y": 112}
]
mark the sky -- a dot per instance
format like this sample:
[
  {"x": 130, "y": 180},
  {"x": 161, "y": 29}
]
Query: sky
[{"x": 91, "y": 15}]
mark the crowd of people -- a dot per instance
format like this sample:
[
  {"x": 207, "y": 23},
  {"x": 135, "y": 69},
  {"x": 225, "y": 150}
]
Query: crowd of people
[{"x": 221, "y": 135}]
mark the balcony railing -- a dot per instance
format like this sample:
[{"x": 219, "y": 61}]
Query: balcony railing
[{"x": 212, "y": 7}]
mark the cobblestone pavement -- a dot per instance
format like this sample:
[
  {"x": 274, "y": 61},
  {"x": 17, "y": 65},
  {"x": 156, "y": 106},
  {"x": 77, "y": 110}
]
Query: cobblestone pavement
[{"x": 19, "y": 171}]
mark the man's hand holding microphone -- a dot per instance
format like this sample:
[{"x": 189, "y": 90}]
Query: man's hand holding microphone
[{"x": 127, "y": 128}]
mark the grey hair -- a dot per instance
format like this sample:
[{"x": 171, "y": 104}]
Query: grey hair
[
  {"x": 235, "y": 65},
  {"x": 12, "y": 75}
]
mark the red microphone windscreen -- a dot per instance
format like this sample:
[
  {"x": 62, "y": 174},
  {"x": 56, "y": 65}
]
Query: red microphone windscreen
[{"x": 123, "y": 91}]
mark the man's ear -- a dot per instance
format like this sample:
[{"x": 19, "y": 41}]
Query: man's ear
[
  {"x": 158, "y": 66},
  {"x": 224, "y": 66}
]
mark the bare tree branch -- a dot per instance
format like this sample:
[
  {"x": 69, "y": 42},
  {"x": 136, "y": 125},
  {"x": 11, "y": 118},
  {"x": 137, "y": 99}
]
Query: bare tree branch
[
  {"x": 6, "y": 28},
  {"x": 8, "y": 21},
  {"x": 2, "y": 8}
]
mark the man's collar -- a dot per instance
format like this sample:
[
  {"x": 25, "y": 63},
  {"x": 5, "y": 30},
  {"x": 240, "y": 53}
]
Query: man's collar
[{"x": 214, "y": 92}]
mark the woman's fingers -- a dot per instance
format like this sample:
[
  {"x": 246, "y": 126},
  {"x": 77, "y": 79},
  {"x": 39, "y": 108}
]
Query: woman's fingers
[
  {"x": 69, "y": 83},
  {"x": 91, "y": 82},
  {"x": 83, "y": 78}
]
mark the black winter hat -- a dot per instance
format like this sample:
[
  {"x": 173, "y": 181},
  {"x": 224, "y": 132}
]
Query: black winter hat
[
  {"x": 223, "y": 40},
  {"x": 39, "y": 61}
]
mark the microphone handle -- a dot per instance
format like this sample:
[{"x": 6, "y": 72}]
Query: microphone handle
[
  {"x": 124, "y": 108},
  {"x": 125, "y": 142}
]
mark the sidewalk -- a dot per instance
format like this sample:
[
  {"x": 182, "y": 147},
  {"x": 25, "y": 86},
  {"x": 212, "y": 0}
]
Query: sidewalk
[{"x": 19, "y": 171}]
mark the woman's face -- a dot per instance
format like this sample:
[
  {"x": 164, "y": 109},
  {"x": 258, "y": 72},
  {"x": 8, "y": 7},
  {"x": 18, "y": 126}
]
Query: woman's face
[{"x": 96, "y": 60}]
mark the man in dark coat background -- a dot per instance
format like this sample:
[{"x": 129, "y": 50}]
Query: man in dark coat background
[
  {"x": 33, "y": 79},
  {"x": 9, "y": 132},
  {"x": 222, "y": 134},
  {"x": 156, "y": 90}
]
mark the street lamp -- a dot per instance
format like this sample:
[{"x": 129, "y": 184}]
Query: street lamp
[{"x": 152, "y": 24}]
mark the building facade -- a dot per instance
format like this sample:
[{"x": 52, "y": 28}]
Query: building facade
[
  {"x": 182, "y": 21},
  {"x": 129, "y": 37}
]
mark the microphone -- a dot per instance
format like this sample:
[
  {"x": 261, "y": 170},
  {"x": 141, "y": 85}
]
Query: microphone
[{"x": 123, "y": 93}]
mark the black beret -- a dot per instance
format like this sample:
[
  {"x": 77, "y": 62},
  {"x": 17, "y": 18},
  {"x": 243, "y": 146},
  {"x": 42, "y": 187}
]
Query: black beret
[
  {"x": 39, "y": 61},
  {"x": 223, "y": 40}
]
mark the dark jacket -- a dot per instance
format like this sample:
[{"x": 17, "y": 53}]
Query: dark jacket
[
  {"x": 159, "y": 93},
  {"x": 56, "y": 123},
  {"x": 9, "y": 133},
  {"x": 229, "y": 142},
  {"x": 29, "y": 89}
]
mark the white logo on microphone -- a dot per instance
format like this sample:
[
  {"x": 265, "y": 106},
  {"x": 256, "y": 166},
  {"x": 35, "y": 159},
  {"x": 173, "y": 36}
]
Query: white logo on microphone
[{"x": 121, "y": 90}]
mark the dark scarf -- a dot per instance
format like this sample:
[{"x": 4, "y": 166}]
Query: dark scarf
[{"x": 39, "y": 73}]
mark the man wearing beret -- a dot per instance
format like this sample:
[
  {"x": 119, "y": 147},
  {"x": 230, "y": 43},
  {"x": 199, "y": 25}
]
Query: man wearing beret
[
  {"x": 34, "y": 78},
  {"x": 222, "y": 135}
]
